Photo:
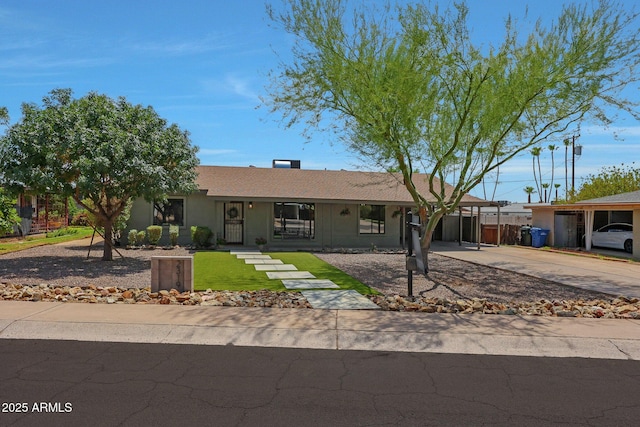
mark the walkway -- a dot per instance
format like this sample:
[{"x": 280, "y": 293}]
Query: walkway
[
  {"x": 603, "y": 275},
  {"x": 320, "y": 293},
  {"x": 323, "y": 329}
]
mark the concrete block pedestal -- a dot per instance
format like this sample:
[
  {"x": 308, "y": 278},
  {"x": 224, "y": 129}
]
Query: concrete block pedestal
[{"x": 172, "y": 272}]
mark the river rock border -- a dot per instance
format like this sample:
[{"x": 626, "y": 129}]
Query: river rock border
[
  {"x": 621, "y": 307},
  {"x": 618, "y": 308}
]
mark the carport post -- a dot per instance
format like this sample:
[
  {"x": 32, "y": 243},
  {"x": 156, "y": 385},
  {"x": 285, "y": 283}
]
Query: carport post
[
  {"x": 588, "y": 225},
  {"x": 498, "y": 242},
  {"x": 478, "y": 229}
]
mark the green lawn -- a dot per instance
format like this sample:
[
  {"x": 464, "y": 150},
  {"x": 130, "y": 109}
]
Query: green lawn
[
  {"x": 223, "y": 271},
  {"x": 75, "y": 233}
]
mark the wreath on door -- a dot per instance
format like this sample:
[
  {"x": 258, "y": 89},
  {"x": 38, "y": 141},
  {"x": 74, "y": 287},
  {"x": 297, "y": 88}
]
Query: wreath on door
[{"x": 232, "y": 212}]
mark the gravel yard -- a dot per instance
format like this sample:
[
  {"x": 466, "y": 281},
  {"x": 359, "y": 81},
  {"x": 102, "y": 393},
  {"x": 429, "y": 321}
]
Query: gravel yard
[
  {"x": 453, "y": 279},
  {"x": 64, "y": 273},
  {"x": 67, "y": 265}
]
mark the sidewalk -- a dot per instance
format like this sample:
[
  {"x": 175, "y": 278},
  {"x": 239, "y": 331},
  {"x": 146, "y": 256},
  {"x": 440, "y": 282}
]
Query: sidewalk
[
  {"x": 613, "y": 277},
  {"x": 323, "y": 329}
]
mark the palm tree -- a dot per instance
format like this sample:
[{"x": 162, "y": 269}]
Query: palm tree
[
  {"x": 557, "y": 186},
  {"x": 529, "y": 191},
  {"x": 535, "y": 152},
  {"x": 546, "y": 196}
]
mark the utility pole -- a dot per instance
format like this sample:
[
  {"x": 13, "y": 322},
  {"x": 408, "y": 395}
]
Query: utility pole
[
  {"x": 573, "y": 165},
  {"x": 575, "y": 150}
]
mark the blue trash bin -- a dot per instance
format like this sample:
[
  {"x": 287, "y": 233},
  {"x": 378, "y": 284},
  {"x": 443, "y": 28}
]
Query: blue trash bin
[{"x": 538, "y": 237}]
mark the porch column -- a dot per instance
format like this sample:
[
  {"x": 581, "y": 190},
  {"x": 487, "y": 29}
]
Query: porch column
[
  {"x": 588, "y": 225},
  {"x": 459, "y": 226}
]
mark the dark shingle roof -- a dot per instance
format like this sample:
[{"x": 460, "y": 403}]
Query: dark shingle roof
[{"x": 630, "y": 197}]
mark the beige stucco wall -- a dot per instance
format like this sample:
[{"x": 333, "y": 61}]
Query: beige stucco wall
[{"x": 545, "y": 218}]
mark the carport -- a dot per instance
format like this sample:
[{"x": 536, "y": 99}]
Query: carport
[{"x": 625, "y": 204}]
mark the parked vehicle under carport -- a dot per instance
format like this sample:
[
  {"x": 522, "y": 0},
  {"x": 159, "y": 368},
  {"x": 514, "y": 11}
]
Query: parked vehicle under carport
[{"x": 614, "y": 236}]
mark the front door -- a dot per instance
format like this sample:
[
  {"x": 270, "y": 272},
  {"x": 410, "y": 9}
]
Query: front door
[{"x": 234, "y": 222}]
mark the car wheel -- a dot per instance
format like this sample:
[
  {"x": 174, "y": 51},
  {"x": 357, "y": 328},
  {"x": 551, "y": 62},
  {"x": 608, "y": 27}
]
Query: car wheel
[{"x": 628, "y": 246}]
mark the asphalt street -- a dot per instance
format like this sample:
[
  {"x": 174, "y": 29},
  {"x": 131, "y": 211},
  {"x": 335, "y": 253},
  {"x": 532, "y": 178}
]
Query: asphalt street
[{"x": 69, "y": 383}]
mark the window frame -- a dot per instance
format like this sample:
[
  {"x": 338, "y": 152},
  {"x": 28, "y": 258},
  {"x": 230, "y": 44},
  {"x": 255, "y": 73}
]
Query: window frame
[
  {"x": 383, "y": 209},
  {"x": 306, "y": 224},
  {"x": 154, "y": 217}
]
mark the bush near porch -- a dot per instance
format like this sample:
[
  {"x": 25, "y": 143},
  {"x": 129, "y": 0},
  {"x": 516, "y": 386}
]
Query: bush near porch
[{"x": 223, "y": 271}]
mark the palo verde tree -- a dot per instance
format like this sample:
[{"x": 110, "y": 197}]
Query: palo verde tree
[
  {"x": 97, "y": 149},
  {"x": 408, "y": 88}
]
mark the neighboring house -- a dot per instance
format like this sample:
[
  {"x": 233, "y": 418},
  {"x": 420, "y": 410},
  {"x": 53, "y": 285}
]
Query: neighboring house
[
  {"x": 568, "y": 223},
  {"x": 510, "y": 213},
  {"x": 41, "y": 213},
  {"x": 295, "y": 208},
  {"x": 510, "y": 216}
]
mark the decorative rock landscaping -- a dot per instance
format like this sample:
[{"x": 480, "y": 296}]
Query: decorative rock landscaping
[
  {"x": 621, "y": 307},
  {"x": 116, "y": 295}
]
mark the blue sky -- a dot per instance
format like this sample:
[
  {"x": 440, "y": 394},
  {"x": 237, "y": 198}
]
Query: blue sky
[{"x": 203, "y": 64}]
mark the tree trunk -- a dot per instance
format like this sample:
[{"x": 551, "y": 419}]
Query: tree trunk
[
  {"x": 107, "y": 255},
  {"x": 428, "y": 224},
  {"x": 425, "y": 245}
]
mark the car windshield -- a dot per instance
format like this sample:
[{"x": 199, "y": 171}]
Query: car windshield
[{"x": 614, "y": 228}]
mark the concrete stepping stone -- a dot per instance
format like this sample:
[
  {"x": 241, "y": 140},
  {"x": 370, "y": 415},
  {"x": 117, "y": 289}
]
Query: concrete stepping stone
[
  {"x": 235, "y": 252},
  {"x": 290, "y": 275},
  {"x": 275, "y": 267},
  {"x": 309, "y": 284},
  {"x": 262, "y": 261},
  {"x": 339, "y": 300},
  {"x": 253, "y": 256}
]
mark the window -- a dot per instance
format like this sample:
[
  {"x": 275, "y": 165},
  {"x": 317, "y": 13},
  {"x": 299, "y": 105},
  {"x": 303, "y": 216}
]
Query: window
[
  {"x": 170, "y": 212},
  {"x": 372, "y": 219},
  {"x": 294, "y": 221}
]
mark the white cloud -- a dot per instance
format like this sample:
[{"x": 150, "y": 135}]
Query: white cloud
[
  {"x": 231, "y": 84},
  {"x": 48, "y": 62},
  {"x": 184, "y": 47},
  {"x": 215, "y": 151},
  {"x": 241, "y": 87}
]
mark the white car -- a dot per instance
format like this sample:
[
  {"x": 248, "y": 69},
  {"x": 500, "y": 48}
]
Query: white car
[{"x": 615, "y": 236}]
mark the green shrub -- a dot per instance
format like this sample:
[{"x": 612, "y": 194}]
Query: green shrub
[
  {"x": 154, "y": 232},
  {"x": 201, "y": 236},
  {"x": 61, "y": 232},
  {"x": 132, "y": 238},
  {"x": 80, "y": 218},
  {"x": 174, "y": 231},
  {"x": 140, "y": 236}
]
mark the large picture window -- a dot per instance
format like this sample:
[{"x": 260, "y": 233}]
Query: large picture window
[
  {"x": 170, "y": 212},
  {"x": 294, "y": 220},
  {"x": 372, "y": 219}
]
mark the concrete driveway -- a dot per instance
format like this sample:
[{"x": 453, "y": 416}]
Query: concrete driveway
[{"x": 587, "y": 272}]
